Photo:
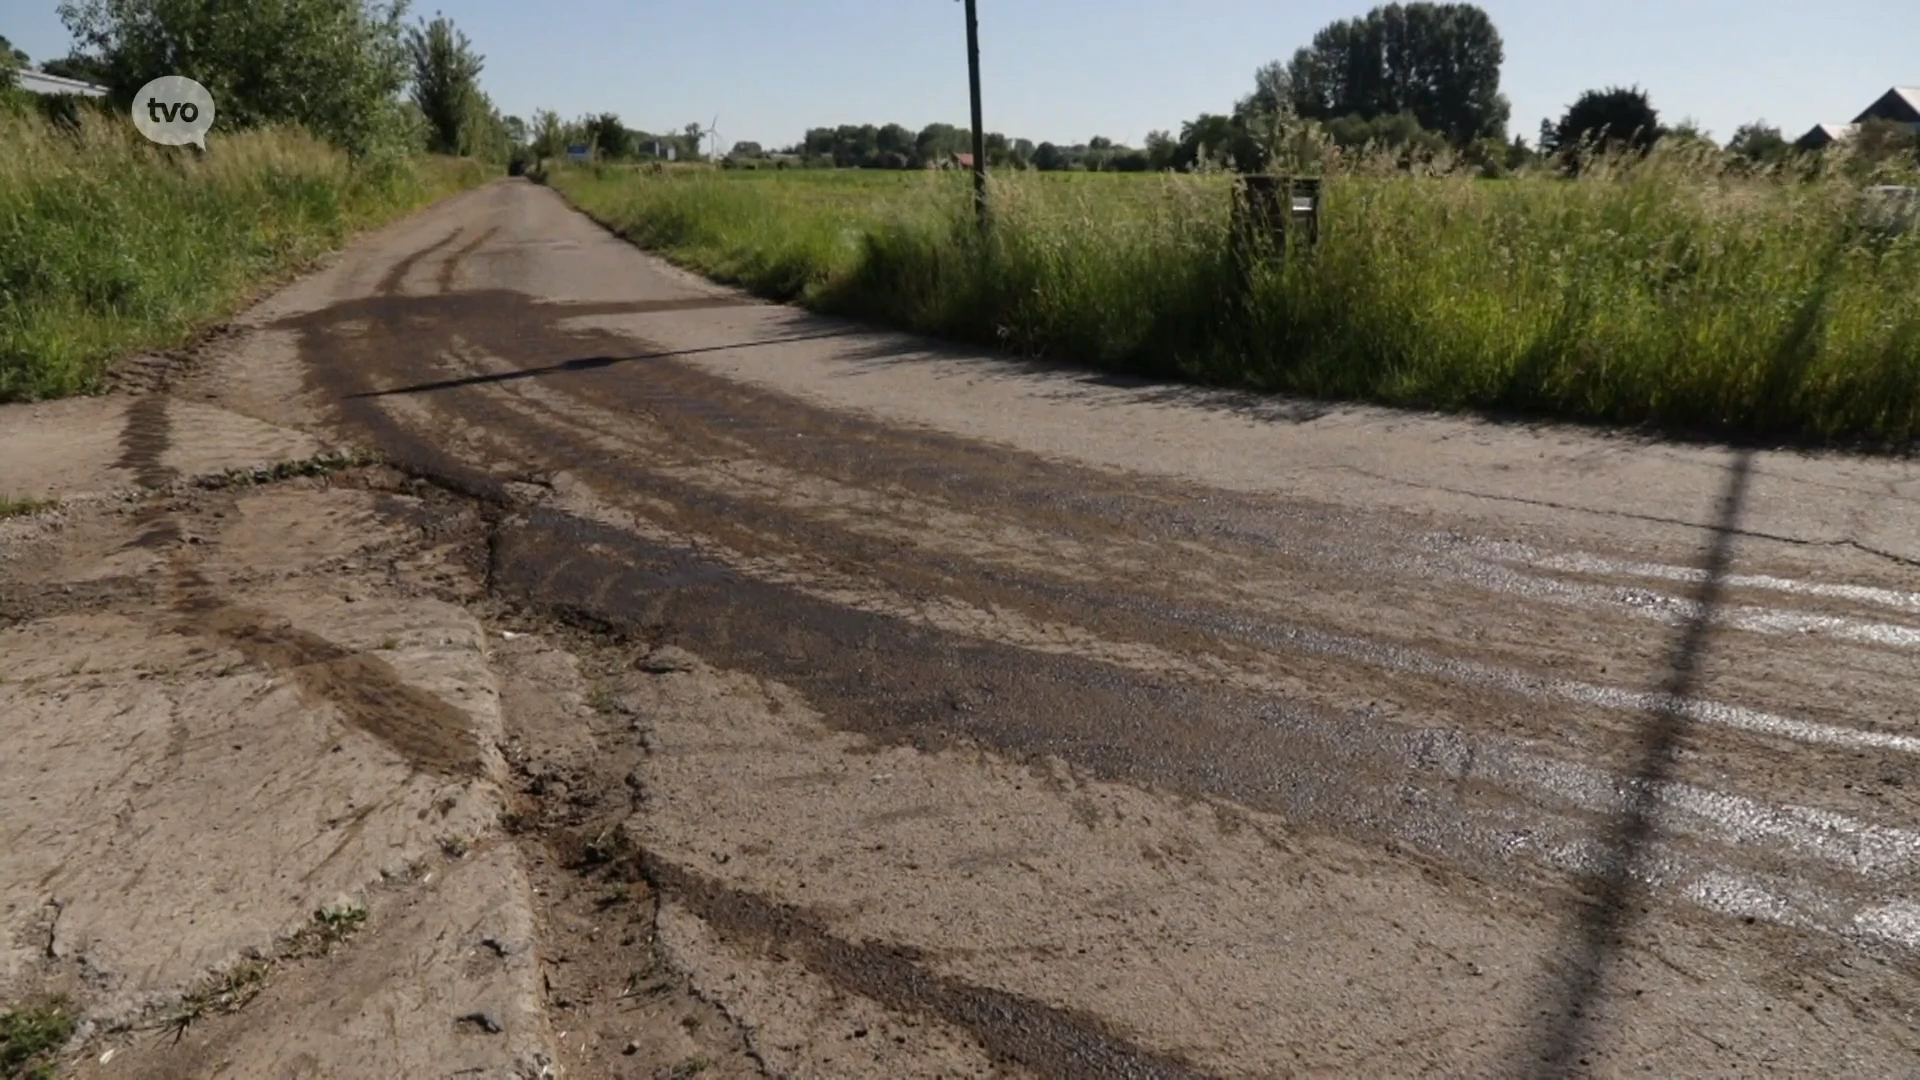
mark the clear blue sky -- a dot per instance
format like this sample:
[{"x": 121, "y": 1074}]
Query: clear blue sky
[{"x": 1065, "y": 70}]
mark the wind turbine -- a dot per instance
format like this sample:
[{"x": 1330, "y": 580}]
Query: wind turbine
[{"x": 713, "y": 132}]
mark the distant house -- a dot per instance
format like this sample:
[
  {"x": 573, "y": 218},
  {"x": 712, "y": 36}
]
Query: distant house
[
  {"x": 39, "y": 82},
  {"x": 1824, "y": 135},
  {"x": 1900, "y": 105},
  {"x": 962, "y": 161}
]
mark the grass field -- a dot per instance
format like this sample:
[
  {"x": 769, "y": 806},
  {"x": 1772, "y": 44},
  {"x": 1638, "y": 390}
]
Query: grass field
[
  {"x": 1666, "y": 293},
  {"x": 109, "y": 244}
]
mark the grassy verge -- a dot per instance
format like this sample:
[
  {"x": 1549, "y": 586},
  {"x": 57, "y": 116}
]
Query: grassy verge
[
  {"x": 109, "y": 244},
  {"x": 1666, "y": 294}
]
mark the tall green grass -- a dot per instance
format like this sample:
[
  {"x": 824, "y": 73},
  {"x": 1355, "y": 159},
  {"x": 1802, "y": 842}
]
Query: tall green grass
[
  {"x": 110, "y": 244},
  {"x": 1666, "y": 292}
]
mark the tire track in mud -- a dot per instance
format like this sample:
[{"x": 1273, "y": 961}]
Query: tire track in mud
[
  {"x": 895, "y": 679},
  {"x": 364, "y": 690},
  {"x": 1051, "y": 1041},
  {"x": 798, "y": 528}
]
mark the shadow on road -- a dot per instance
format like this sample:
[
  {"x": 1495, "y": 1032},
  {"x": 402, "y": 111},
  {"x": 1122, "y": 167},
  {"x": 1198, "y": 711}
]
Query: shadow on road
[
  {"x": 583, "y": 363},
  {"x": 1597, "y": 935}
]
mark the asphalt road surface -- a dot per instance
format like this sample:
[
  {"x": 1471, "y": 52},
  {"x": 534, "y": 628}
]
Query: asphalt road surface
[{"x": 1246, "y": 736}]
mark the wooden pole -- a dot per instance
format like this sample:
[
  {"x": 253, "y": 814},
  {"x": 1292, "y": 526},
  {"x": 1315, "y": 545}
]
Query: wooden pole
[{"x": 979, "y": 133}]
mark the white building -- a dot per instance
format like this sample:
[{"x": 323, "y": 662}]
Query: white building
[{"x": 40, "y": 82}]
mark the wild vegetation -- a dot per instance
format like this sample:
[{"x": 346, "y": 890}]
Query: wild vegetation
[
  {"x": 1668, "y": 289},
  {"x": 111, "y": 244}
]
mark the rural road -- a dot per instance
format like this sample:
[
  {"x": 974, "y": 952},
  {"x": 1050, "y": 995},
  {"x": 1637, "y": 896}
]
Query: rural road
[{"x": 1122, "y": 729}]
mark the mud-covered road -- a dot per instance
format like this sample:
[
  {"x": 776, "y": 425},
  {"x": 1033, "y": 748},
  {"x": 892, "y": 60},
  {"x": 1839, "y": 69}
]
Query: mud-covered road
[{"x": 1135, "y": 730}]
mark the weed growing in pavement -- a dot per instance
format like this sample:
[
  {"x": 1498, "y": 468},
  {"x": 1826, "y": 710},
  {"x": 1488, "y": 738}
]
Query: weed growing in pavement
[
  {"x": 1670, "y": 291},
  {"x": 29, "y": 1037},
  {"x": 12, "y": 507}
]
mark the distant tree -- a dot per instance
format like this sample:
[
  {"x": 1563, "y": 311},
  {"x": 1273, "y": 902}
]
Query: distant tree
[
  {"x": 446, "y": 81},
  {"x": 549, "y": 135},
  {"x": 1049, "y": 158},
  {"x": 1614, "y": 118},
  {"x": 1440, "y": 62},
  {"x": 1689, "y": 130},
  {"x": 1399, "y": 132},
  {"x": 1216, "y": 139},
  {"x": 607, "y": 135},
  {"x": 1023, "y": 151},
  {"x": 11, "y": 61},
  {"x": 1759, "y": 143},
  {"x": 747, "y": 150},
  {"x": 1099, "y": 142},
  {"x": 334, "y": 67},
  {"x": 1879, "y": 142},
  {"x": 893, "y": 139},
  {"x": 1272, "y": 92},
  {"x": 1162, "y": 150},
  {"x": 87, "y": 69},
  {"x": 936, "y": 142},
  {"x": 515, "y": 129},
  {"x": 999, "y": 149}
]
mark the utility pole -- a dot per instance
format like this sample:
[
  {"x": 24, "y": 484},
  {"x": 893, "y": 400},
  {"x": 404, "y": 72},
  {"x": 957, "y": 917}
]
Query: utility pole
[{"x": 979, "y": 133}]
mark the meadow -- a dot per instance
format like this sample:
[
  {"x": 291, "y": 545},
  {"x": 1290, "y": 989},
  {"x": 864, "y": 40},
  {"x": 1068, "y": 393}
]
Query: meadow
[
  {"x": 1669, "y": 292},
  {"x": 109, "y": 244}
]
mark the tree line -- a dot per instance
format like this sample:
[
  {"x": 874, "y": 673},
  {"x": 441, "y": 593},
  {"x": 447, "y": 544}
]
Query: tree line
[
  {"x": 1416, "y": 80},
  {"x": 353, "y": 72}
]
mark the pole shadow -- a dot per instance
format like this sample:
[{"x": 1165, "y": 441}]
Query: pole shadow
[
  {"x": 1600, "y": 927},
  {"x": 582, "y": 363}
]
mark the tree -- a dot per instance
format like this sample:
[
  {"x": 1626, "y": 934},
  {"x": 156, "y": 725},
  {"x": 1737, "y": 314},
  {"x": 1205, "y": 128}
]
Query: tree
[
  {"x": 1272, "y": 92},
  {"x": 937, "y": 142},
  {"x": 1400, "y": 132},
  {"x": 1759, "y": 143},
  {"x": 515, "y": 130},
  {"x": 1689, "y": 131},
  {"x": 1100, "y": 142},
  {"x": 746, "y": 150},
  {"x": 549, "y": 136},
  {"x": 999, "y": 149},
  {"x": 1049, "y": 158},
  {"x": 11, "y": 61},
  {"x": 87, "y": 69},
  {"x": 894, "y": 139},
  {"x": 606, "y": 134},
  {"x": 1880, "y": 142},
  {"x": 1440, "y": 62},
  {"x": 1162, "y": 150},
  {"x": 1610, "y": 119},
  {"x": 334, "y": 67},
  {"x": 446, "y": 80}
]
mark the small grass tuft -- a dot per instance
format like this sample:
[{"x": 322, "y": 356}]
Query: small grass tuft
[
  {"x": 318, "y": 465},
  {"x": 226, "y": 993},
  {"x": 338, "y": 923},
  {"x": 17, "y": 507},
  {"x": 29, "y": 1037}
]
